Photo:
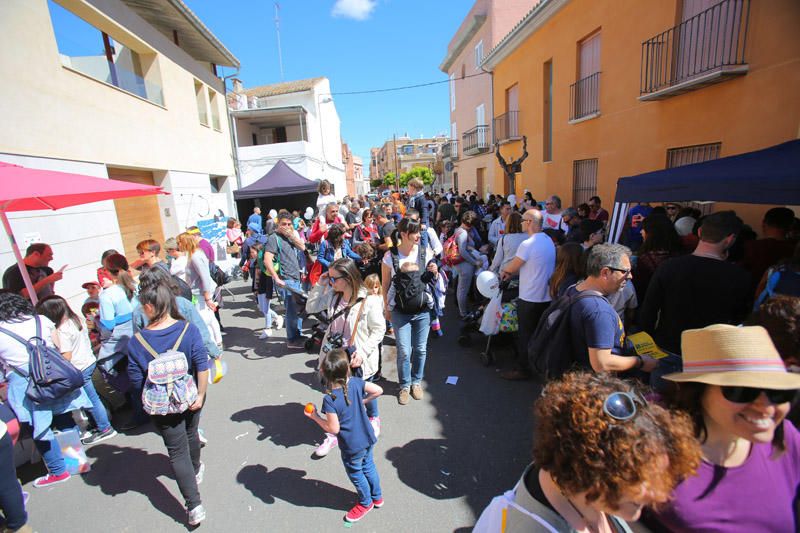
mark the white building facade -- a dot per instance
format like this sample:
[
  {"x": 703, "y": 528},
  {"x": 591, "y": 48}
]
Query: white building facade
[
  {"x": 294, "y": 121},
  {"x": 117, "y": 89}
]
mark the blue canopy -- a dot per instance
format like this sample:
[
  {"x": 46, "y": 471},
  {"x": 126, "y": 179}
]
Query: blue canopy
[{"x": 768, "y": 176}]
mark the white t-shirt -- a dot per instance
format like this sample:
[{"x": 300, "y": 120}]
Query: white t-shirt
[
  {"x": 178, "y": 267},
  {"x": 539, "y": 254},
  {"x": 402, "y": 260},
  {"x": 552, "y": 221},
  {"x": 13, "y": 352},
  {"x": 76, "y": 341},
  {"x": 323, "y": 201}
]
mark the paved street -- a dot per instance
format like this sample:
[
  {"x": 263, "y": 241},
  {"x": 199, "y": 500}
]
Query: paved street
[{"x": 440, "y": 459}]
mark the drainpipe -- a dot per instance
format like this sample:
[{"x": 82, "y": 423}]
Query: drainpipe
[
  {"x": 232, "y": 131},
  {"x": 491, "y": 99}
]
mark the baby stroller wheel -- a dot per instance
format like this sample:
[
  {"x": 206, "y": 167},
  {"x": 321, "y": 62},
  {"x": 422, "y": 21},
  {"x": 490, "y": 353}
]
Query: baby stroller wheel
[
  {"x": 308, "y": 344},
  {"x": 487, "y": 358},
  {"x": 463, "y": 340}
]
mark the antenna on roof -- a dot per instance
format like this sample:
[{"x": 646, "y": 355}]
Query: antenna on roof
[{"x": 278, "y": 33}]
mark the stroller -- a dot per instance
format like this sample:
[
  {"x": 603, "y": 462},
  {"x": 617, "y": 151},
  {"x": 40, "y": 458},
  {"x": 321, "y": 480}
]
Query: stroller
[
  {"x": 314, "y": 343},
  {"x": 508, "y": 322}
]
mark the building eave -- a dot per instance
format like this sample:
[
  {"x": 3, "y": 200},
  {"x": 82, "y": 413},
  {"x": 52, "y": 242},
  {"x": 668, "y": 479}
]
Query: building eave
[
  {"x": 526, "y": 27},
  {"x": 174, "y": 15},
  {"x": 462, "y": 38}
]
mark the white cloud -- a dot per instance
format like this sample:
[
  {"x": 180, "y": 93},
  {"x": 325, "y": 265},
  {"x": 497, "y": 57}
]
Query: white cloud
[{"x": 353, "y": 9}]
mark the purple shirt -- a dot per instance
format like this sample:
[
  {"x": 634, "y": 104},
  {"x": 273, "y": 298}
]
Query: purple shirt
[
  {"x": 753, "y": 497},
  {"x": 207, "y": 249}
]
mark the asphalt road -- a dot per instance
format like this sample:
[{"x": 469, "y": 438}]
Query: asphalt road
[{"x": 440, "y": 459}]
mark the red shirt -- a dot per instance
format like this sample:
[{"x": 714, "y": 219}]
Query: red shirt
[
  {"x": 601, "y": 215},
  {"x": 317, "y": 234}
]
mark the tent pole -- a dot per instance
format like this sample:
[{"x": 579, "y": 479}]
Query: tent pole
[{"x": 23, "y": 269}]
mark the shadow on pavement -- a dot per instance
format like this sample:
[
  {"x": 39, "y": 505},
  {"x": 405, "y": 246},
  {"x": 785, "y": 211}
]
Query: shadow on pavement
[
  {"x": 284, "y": 425},
  {"x": 117, "y": 470},
  {"x": 486, "y": 425},
  {"x": 432, "y": 468},
  {"x": 310, "y": 379},
  {"x": 293, "y": 487}
]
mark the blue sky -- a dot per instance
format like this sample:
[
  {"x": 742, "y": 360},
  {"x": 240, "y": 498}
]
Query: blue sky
[{"x": 358, "y": 45}]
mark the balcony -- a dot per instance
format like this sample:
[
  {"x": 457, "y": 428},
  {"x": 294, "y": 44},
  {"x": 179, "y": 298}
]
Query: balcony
[
  {"x": 476, "y": 140},
  {"x": 506, "y": 127},
  {"x": 450, "y": 150},
  {"x": 707, "y": 48},
  {"x": 584, "y": 98}
]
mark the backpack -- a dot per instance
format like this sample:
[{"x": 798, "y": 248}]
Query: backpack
[
  {"x": 550, "y": 352},
  {"x": 51, "y": 376},
  {"x": 493, "y": 518},
  {"x": 169, "y": 388},
  {"x": 186, "y": 291},
  {"x": 217, "y": 274},
  {"x": 451, "y": 255},
  {"x": 410, "y": 295},
  {"x": 780, "y": 280}
]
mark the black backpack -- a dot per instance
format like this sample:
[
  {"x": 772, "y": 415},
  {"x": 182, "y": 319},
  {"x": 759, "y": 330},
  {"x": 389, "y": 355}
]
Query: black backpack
[
  {"x": 409, "y": 289},
  {"x": 550, "y": 350},
  {"x": 217, "y": 274},
  {"x": 51, "y": 377}
]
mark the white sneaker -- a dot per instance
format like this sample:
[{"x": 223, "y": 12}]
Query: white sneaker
[
  {"x": 375, "y": 422},
  {"x": 327, "y": 445},
  {"x": 266, "y": 334},
  {"x": 197, "y": 515},
  {"x": 279, "y": 322}
]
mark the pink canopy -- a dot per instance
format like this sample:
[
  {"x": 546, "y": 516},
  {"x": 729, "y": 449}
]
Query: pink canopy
[{"x": 29, "y": 189}]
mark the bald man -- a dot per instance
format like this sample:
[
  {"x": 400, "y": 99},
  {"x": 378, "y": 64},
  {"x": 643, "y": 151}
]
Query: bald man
[{"x": 534, "y": 262}]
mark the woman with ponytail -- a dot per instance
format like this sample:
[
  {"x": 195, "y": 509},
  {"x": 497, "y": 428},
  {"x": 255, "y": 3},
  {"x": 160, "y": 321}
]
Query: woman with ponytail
[{"x": 116, "y": 313}]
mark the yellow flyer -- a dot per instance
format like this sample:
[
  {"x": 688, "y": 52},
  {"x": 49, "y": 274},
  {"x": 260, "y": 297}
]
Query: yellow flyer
[{"x": 645, "y": 345}]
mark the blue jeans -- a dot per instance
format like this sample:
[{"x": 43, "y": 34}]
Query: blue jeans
[
  {"x": 294, "y": 324},
  {"x": 99, "y": 414},
  {"x": 11, "y": 502},
  {"x": 411, "y": 333},
  {"x": 361, "y": 470},
  {"x": 466, "y": 272}
]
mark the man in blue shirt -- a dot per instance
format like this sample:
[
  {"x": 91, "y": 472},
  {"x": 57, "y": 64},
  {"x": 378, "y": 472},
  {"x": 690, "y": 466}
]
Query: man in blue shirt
[{"x": 254, "y": 222}]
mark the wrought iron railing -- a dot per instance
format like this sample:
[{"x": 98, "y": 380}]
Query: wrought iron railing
[
  {"x": 450, "y": 149},
  {"x": 506, "y": 126},
  {"x": 711, "y": 40},
  {"x": 584, "y": 97},
  {"x": 476, "y": 140}
]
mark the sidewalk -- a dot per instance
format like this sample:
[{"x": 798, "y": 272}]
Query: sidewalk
[{"x": 440, "y": 459}]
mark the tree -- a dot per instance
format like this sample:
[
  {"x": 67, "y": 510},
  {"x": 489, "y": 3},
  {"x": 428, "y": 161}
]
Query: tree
[
  {"x": 377, "y": 182},
  {"x": 389, "y": 179},
  {"x": 423, "y": 173}
]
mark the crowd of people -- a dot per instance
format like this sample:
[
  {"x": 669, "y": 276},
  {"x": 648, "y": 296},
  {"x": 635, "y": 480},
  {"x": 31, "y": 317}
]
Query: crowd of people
[{"x": 691, "y": 430}]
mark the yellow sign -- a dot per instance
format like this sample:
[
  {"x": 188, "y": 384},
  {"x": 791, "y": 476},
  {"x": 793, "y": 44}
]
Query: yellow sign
[{"x": 645, "y": 345}]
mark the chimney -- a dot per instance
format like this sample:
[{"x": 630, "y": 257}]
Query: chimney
[{"x": 237, "y": 85}]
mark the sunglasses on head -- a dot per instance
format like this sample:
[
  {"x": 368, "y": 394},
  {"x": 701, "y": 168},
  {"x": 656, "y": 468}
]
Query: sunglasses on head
[
  {"x": 750, "y": 394},
  {"x": 622, "y": 405}
]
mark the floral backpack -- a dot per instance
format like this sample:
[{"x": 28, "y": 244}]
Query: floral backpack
[{"x": 169, "y": 388}]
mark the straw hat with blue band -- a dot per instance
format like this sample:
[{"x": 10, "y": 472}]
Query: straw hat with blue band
[{"x": 733, "y": 356}]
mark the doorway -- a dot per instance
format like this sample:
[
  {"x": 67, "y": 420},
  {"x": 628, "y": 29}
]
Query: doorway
[{"x": 139, "y": 218}]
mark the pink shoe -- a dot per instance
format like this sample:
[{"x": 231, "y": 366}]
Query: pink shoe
[
  {"x": 50, "y": 479},
  {"x": 378, "y": 503},
  {"x": 327, "y": 445},
  {"x": 357, "y": 513}
]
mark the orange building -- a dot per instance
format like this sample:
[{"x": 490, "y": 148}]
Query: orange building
[{"x": 612, "y": 88}]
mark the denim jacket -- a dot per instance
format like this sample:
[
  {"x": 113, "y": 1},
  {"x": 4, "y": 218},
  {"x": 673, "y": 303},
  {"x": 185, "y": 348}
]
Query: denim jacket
[{"x": 326, "y": 253}]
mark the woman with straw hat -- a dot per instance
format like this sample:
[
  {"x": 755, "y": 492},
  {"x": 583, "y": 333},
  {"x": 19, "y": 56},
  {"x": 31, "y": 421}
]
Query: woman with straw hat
[{"x": 737, "y": 391}]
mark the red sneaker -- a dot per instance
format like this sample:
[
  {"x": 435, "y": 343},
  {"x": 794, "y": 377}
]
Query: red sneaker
[
  {"x": 378, "y": 503},
  {"x": 50, "y": 479},
  {"x": 357, "y": 513}
]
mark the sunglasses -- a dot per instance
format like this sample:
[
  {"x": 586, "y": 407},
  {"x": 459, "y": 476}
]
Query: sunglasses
[
  {"x": 749, "y": 394},
  {"x": 622, "y": 405},
  {"x": 335, "y": 278},
  {"x": 624, "y": 271}
]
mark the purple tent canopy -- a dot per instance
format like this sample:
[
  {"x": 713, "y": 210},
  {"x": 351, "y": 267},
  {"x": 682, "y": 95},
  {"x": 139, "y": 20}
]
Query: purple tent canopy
[{"x": 281, "y": 180}]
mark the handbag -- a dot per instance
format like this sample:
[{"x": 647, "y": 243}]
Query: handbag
[
  {"x": 233, "y": 248},
  {"x": 51, "y": 377},
  {"x": 315, "y": 273}
]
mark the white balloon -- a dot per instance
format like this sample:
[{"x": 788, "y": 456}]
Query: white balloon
[
  {"x": 273, "y": 213},
  {"x": 488, "y": 284}
]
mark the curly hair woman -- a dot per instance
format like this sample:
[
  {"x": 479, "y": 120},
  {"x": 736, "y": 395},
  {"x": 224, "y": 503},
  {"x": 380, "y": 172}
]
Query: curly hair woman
[{"x": 601, "y": 454}]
